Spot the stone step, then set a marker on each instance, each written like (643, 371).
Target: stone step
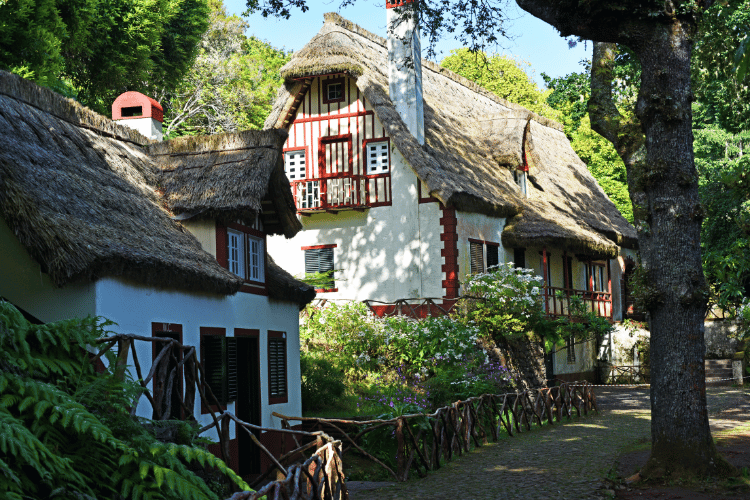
(719, 368)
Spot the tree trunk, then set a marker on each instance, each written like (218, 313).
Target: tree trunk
(669, 239)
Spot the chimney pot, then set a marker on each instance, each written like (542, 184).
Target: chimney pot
(139, 112)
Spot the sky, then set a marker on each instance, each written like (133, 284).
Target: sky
(533, 40)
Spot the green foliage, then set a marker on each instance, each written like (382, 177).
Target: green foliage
(97, 49)
(322, 383)
(581, 325)
(502, 76)
(722, 46)
(724, 182)
(230, 86)
(67, 431)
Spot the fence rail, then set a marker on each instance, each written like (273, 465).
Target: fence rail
(628, 373)
(320, 477)
(451, 430)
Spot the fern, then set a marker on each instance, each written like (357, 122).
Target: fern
(67, 431)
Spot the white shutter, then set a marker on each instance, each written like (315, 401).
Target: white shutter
(377, 158)
(295, 165)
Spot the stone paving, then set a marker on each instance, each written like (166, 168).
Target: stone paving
(564, 461)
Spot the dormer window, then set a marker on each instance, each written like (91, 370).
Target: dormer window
(519, 176)
(245, 245)
(295, 164)
(377, 160)
(333, 90)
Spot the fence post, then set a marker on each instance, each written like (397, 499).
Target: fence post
(123, 346)
(400, 449)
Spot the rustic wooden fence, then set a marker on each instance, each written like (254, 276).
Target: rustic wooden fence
(632, 374)
(319, 477)
(424, 441)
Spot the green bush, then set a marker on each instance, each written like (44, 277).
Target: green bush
(322, 383)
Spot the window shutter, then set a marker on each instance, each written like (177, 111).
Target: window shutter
(319, 260)
(214, 365)
(492, 256)
(377, 158)
(231, 364)
(477, 257)
(277, 367)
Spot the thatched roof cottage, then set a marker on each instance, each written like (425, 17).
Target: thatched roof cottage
(165, 239)
(408, 178)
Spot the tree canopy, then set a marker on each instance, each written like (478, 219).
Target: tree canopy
(94, 50)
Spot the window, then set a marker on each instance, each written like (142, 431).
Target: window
(568, 272)
(377, 158)
(320, 260)
(277, 390)
(308, 195)
(484, 255)
(295, 164)
(219, 360)
(246, 253)
(596, 277)
(519, 176)
(570, 347)
(333, 90)
(519, 257)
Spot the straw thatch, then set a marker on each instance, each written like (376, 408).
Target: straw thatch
(473, 141)
(283, 286)
(229, 177)
(79, 193)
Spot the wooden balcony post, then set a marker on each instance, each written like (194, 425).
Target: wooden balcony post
(609, 289)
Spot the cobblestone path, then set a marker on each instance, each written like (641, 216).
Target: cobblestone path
(554, 462)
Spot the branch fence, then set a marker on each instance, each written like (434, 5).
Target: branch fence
(319, 477)
(423, 441)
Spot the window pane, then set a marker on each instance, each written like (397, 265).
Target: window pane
(236, 252)
(294, 165)
(377, 158)
(335, 91)
(255, 258)
(492, 256)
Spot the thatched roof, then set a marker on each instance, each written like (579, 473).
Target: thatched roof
(228, 176)
(473, 141)
(79, 192)
(283, 286)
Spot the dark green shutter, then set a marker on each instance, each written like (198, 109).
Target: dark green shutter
(319, 260)
(231, 363)
(277, 367)
(214, 365)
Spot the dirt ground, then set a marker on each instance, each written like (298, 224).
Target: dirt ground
(730, 424)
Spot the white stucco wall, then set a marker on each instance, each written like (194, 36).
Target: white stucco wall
(478, 227)
(134, 307)
(24, 284)
(383, 253)
(585, 359)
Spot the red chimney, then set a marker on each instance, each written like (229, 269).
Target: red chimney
(139, 112)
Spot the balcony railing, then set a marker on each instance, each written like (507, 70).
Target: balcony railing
(558, 304)
(342, 192)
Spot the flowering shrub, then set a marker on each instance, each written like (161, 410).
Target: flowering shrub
(506, 301)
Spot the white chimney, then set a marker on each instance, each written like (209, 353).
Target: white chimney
(405, 65)
(139, 112)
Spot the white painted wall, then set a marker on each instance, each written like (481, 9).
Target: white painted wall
(24, 284)
(134, 307)
(405, 70)
(148, 127)
(585, 359)
(478, 227)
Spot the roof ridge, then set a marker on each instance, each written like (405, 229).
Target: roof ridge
(68, 110)
(338, 20)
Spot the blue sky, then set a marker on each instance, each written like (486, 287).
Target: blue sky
(534, 41)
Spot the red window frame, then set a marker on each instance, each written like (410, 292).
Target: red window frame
(333, 81)
(318, 247)
(222, 254)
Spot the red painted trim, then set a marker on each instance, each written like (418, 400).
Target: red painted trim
(306, 149)
(334, 81)
(424, 199)
(315, 247)
(205, 331)
(449, 236)
(279, 335)
(222, 245)
(149, 107)
(326, 290)
(246, 229)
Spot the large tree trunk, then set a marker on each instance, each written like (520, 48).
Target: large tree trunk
(663, 185)
(669, 240)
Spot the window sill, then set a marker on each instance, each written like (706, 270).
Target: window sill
(252, 287)
(279, 400)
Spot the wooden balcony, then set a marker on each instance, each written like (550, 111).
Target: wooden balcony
(341, 192)
(557, 301)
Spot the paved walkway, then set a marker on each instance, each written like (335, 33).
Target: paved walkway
(556, 462)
